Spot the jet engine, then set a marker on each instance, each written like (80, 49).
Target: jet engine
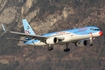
(81, 43)
(52, 40)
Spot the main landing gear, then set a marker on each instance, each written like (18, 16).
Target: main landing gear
(67, 49)
(50, 48)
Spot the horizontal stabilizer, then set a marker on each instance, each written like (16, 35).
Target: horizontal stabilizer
(3, 27)
(15, 39)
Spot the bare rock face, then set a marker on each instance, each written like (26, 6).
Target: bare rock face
(4, 61)
(27, 6)
(8, 15)
(2, 4)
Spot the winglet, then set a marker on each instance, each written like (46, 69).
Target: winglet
(3, 27)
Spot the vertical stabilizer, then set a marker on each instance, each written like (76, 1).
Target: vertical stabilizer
(27, 27)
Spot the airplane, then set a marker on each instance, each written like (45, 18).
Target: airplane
(78, 36)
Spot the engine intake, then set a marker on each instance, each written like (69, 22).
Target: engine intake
(52, 40)
(81, 43)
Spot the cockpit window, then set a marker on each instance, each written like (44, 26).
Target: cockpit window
(94, 29)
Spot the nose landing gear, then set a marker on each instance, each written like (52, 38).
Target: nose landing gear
(91, 41)
(67, 49)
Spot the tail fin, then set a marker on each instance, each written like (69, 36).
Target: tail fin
(3, 27)
(27, 28)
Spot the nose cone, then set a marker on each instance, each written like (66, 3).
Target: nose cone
(101, 33)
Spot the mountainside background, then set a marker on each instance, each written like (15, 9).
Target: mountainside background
(46, 16)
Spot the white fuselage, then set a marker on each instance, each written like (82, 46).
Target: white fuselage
(69, 38)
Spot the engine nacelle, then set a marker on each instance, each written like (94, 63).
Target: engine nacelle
(81, 43)
(52, 40)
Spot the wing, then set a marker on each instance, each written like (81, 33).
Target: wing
(41, 38)
(30, 36)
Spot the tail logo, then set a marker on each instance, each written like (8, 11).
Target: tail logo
(27, 32)
(28, 27)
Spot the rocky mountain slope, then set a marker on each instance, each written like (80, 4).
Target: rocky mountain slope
(46, 16)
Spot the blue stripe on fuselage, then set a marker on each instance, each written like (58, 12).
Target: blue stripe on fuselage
(78, 31)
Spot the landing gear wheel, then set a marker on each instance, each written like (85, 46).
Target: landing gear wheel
(50, 48)
(91, 44)
(67, 49)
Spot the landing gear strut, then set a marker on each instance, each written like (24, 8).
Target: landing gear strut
(66, 49)
(50, 48)
(91, 41)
